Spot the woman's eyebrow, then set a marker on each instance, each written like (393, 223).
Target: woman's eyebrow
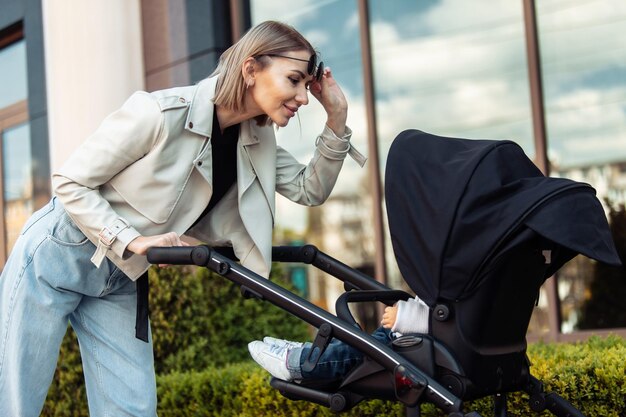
(299, 72)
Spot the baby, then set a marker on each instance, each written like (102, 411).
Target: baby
(284, 359)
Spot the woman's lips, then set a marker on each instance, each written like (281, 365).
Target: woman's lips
(292, 110)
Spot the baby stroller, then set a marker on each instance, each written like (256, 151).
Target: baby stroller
(476, 229)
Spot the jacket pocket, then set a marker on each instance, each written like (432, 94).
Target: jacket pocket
(154, 196)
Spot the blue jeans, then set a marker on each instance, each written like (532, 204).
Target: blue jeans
(48, 281)
(336, 361)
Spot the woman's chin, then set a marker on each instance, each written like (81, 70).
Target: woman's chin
(282, 122)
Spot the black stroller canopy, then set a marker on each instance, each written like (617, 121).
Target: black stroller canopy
(453, 203)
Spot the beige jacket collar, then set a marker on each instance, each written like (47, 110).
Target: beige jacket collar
(200, 116)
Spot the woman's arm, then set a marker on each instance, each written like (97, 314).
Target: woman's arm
(329, 94)
(311, 184)
(123, 137)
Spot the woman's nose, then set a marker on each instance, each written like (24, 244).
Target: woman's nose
(302, 97)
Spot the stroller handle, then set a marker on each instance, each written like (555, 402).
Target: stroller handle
(387, 297)
(179, 255)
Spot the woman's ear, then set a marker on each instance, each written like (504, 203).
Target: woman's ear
(248, 71)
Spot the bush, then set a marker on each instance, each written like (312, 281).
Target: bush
(591, 375)
(198, 319)
(201, 326)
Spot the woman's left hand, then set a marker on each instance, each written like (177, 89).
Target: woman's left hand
(329, 94)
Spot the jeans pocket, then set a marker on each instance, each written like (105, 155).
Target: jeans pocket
(118, 282)
(66, 233)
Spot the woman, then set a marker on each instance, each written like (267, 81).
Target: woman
(199, 160)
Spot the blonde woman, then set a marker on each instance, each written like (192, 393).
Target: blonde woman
(201, 161)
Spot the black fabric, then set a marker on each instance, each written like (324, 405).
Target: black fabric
(224, 160)
(141, 320)
(452, 202)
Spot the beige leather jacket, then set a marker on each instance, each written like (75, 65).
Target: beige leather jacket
(147, 171)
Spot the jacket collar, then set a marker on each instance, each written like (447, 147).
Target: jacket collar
(200, 116)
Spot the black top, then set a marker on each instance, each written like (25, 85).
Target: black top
(224, 160)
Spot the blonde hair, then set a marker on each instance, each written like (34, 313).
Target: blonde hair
(269, 37)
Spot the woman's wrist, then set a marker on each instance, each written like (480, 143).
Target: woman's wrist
(337, 125)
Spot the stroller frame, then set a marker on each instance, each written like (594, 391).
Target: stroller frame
(407, 377)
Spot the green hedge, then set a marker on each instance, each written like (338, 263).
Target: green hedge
(201, 326)
(198, 320)
(592, 375)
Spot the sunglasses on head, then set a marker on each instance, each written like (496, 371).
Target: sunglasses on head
(312, 68)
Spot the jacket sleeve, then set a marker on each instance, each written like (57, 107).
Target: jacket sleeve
(311, 184)
(123, 137)
(412, 317)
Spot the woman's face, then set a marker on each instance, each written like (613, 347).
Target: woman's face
(280, 88)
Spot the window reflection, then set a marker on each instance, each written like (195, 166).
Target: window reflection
(458, 68)
(450, 69)
(342, 226)
(18, 185)
(584, 70)
(13, 87)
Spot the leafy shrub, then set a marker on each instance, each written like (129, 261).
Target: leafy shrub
(198, 319)
(201, 326)
(591, 375)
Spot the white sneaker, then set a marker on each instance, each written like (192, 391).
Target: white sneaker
(281, 342)
(272, 357)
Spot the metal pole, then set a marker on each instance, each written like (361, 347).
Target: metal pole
(536, 87)
(539, 129)
(380, 266)
(239, 18)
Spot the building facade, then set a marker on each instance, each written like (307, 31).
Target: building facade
(550, 75)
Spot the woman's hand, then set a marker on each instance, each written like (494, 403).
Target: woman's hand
(329, 94)
(389, 316)
(141, 244)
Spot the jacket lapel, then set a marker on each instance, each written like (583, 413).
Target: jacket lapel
(257, 160)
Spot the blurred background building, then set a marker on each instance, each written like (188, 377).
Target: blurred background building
(550, 75)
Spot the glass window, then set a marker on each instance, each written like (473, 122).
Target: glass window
(342, 226)
(13, 85)
(16, 162)
(583, 53)
(18, 185)
(451, 68)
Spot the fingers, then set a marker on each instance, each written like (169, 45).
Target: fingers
(171, 239)
(141, 244)
(316, 87)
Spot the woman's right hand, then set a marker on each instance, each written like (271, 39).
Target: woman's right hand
(329, 94)
(141, 244)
